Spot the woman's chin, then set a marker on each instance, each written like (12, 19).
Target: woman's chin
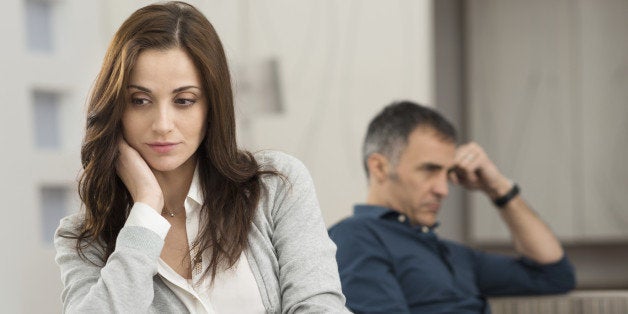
(170, 164)
(164, 166)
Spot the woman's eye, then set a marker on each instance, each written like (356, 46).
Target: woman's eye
(139, 101)
(184, 101)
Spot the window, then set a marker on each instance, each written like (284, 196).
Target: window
(54, 204)
(39, 28)
(46, 114)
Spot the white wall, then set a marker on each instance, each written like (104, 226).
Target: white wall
(339, 61)
(12, 184)
(30, 277)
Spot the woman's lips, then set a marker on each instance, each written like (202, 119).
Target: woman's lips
(162, 148)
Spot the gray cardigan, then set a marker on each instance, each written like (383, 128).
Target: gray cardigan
(290, 255)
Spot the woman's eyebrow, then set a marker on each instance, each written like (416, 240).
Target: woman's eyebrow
(144, 89)
(182, 88)
(176, 90)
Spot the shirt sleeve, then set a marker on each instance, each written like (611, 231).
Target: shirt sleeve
(142, 215)
(366, 271)
(308, 274)
(121, 284)
(500, 275)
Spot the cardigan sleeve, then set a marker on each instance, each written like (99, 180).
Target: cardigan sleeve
(123, 284)
(308, 273)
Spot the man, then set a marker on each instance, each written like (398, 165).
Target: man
(389, 257)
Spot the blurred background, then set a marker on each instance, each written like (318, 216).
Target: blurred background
(542, 85)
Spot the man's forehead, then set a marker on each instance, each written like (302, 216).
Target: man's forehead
(427, 150)
(429, 145)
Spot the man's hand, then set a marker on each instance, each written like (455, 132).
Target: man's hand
(531, 237)
(138, 177)
(474, 170)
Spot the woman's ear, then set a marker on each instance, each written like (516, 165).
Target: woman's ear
(379, 167)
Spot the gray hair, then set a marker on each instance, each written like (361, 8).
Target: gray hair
(388, 132)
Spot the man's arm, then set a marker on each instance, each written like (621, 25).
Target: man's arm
(531, 236)
(499, 275)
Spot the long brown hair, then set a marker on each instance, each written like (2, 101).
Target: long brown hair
(230, 179)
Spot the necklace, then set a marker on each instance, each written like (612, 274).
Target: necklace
(168, 212)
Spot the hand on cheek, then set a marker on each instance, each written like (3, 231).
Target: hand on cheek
(138, 177)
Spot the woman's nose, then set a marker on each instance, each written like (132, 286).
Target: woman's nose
(164, 120)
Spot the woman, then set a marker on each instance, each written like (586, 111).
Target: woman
(176, 218)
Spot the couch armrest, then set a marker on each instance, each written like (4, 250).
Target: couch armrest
(579, 301)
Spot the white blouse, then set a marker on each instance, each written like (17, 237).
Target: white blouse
(233, 291)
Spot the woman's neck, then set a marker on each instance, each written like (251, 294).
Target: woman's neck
(175, 184)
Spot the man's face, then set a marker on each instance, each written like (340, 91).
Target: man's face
(418, 182)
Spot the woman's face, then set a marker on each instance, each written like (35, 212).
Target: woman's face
(166, 109)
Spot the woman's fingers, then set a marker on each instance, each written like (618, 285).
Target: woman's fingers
(138, 177)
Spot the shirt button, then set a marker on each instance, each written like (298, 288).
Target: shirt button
(425, 229)
(401, 218)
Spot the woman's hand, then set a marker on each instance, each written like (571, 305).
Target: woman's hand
(138, 177)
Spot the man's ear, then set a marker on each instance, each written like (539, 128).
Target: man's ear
(379, 167)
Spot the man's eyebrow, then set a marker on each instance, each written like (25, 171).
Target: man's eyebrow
(430, 165)
(433, 166)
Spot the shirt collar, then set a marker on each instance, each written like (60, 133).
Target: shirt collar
(380, 212)
(195, 193)
(371, 211)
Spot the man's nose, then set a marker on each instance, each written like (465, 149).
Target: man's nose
(441, 187)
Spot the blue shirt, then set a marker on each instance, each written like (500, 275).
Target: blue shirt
(389, 266)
